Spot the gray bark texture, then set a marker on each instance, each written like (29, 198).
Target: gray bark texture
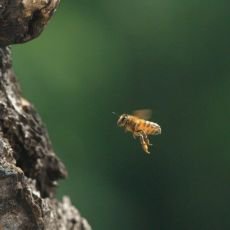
(29, 168)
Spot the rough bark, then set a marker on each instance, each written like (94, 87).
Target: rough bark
(29, 168)
(23, 20)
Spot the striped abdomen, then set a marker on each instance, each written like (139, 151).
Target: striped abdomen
(150, 128)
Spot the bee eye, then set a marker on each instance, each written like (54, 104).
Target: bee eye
(122, 119)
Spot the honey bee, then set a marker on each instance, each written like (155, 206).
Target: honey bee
(139, 126)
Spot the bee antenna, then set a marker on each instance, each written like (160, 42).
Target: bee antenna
(115, 114)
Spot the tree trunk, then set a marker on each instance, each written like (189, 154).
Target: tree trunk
(29, 168)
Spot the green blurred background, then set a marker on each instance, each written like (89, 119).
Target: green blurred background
(172, 56)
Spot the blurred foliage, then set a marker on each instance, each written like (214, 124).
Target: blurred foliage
(100, 56)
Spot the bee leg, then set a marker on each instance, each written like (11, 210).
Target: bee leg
(134, 135)
(143, 142)
(146, 139)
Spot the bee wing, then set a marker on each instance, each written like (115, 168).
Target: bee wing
(143, 113)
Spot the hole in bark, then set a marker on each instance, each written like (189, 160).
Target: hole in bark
(34, 25)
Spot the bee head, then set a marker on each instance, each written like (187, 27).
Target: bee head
(122, 120)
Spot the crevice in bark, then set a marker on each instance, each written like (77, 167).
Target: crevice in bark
(34, 22)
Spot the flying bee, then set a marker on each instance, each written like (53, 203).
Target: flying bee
(139, 126)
